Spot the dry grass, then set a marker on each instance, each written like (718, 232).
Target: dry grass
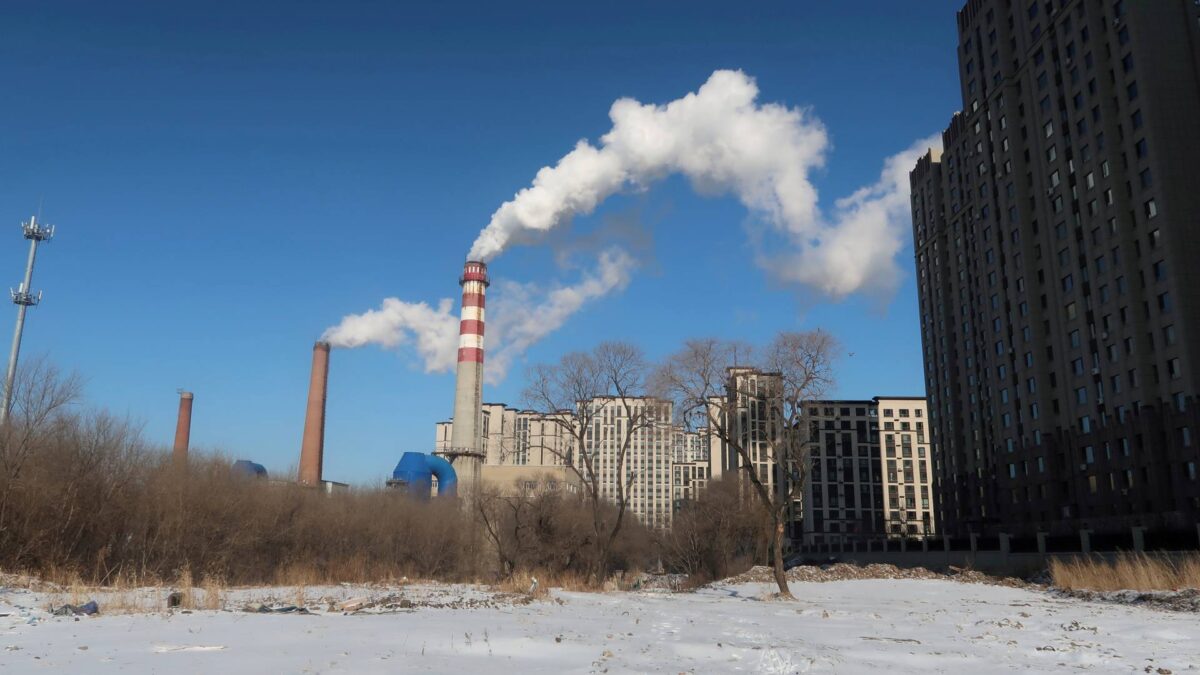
(1138, 572)
(568, 580)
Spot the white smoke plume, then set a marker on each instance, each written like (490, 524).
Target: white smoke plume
(724, 141)
(434, 330)
(857, 250)
(518, 316)
(525, 313)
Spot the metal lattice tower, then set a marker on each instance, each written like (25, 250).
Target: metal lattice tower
(24, 298)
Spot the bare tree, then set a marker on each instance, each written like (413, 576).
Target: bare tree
(42, 395)
(576, 392)
(772, 458)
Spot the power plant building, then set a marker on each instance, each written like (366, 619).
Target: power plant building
(1056, 251)
(523, 445)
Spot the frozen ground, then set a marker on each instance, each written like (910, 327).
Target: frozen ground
(846, 626)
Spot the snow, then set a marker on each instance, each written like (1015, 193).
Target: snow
(848, 626)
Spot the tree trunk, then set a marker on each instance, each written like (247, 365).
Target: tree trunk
(777, 561)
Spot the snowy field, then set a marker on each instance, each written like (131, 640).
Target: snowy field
(846, 626)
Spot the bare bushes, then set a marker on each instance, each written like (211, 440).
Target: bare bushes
(96, 502)
(536, 530)
(716, 536)
(1137, 572)
(82, 495)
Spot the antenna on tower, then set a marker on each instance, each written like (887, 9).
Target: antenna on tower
(24, 298)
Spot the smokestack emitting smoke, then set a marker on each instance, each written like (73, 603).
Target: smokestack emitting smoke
(312, 447)
(522, 315)
(468, 386)
(725, 142)
(183, 428)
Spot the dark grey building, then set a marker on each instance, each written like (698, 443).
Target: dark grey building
(1057, 242)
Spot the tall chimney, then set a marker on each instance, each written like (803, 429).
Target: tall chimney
(183, 428)
(312, 448)
(465, 447)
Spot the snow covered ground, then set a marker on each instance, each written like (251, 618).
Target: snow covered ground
(846, 626)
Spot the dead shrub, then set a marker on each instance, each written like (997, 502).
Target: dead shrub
(84, 499)
(549, 533)
(716, 536)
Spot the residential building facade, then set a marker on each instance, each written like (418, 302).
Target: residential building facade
(1055, 244)
(871, 470)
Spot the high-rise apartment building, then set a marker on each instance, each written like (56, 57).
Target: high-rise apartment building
(690, 468)
(871, 470)
(751, 413)
(1056, 246)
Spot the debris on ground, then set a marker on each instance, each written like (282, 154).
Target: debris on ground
(277, 609)
(1186, 600)
(848, 572)
(86, 609)
(658, 583)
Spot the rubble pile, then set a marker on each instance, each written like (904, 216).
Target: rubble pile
(850, 572)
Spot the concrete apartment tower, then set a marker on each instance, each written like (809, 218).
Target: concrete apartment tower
(183, 428)
(1056, 247)
(312, 446)
(466, 447)
(871, 470)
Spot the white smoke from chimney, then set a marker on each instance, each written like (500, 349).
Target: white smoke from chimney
(519, 315)
(724, 141)
(523, 314)
(434, 330)
(857, 250)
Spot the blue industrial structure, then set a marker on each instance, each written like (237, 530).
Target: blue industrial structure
(414, 475)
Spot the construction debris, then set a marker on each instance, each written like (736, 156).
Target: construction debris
(86, 609)
(847, 572)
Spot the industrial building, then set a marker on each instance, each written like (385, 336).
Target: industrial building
(1056, 248)
(528, 446)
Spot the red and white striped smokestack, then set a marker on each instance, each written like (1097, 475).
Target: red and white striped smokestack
(183, 427)
(312, 447)
(468, 388)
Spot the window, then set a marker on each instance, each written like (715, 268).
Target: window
(1174, 370)
(1151, 208)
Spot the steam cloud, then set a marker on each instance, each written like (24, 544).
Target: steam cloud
(724, 141)
(518, 316)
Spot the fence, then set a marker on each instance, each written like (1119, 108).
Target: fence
(997, 554)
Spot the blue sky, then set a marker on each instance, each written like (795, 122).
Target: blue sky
(229, 180)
